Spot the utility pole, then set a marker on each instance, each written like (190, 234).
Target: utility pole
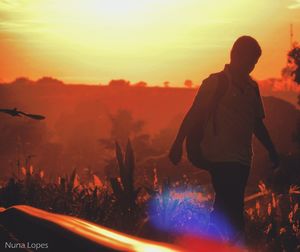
(291, 36)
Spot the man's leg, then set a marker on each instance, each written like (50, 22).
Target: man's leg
(229, 180)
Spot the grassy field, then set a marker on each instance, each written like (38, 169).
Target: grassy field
(156, 211)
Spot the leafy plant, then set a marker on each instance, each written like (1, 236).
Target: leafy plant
(123, 187)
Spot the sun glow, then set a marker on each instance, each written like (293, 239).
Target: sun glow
(151, 40)
(113, 11)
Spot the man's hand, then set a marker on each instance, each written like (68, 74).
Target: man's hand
(274, 157)
(263, 136)
(175, 153)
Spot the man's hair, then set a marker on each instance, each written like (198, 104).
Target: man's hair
(245, 45)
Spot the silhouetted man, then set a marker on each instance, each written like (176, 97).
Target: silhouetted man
(239, 115)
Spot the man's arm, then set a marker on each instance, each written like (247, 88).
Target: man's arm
(186, 124)
(175, 153)
(201, 101)
(262, 134)
(202, 98)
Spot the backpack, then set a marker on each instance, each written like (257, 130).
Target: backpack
(195, 134)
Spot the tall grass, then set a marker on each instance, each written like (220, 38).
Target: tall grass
(272, 220)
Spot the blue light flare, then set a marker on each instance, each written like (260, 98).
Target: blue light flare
(186, 211)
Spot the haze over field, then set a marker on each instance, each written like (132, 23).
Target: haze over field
(155, 41)
(83, 122)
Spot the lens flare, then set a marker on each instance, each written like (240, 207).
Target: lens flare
(186, 212)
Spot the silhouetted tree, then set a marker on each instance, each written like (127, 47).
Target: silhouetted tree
(119, 83)
(140, 84)
(188, 83)
(49, 81)
(22, 81)
(166, 84)
(123, 126)
(294, 57)
(286, 72)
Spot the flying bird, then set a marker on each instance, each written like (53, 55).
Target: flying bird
(15, 112)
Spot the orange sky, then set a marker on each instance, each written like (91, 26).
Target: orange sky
(94, 41)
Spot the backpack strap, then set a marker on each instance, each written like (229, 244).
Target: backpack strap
(195, 135)
(222, 87)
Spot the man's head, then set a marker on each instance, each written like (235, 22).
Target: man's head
(245, 54)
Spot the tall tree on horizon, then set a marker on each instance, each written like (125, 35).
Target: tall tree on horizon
(294, 57)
